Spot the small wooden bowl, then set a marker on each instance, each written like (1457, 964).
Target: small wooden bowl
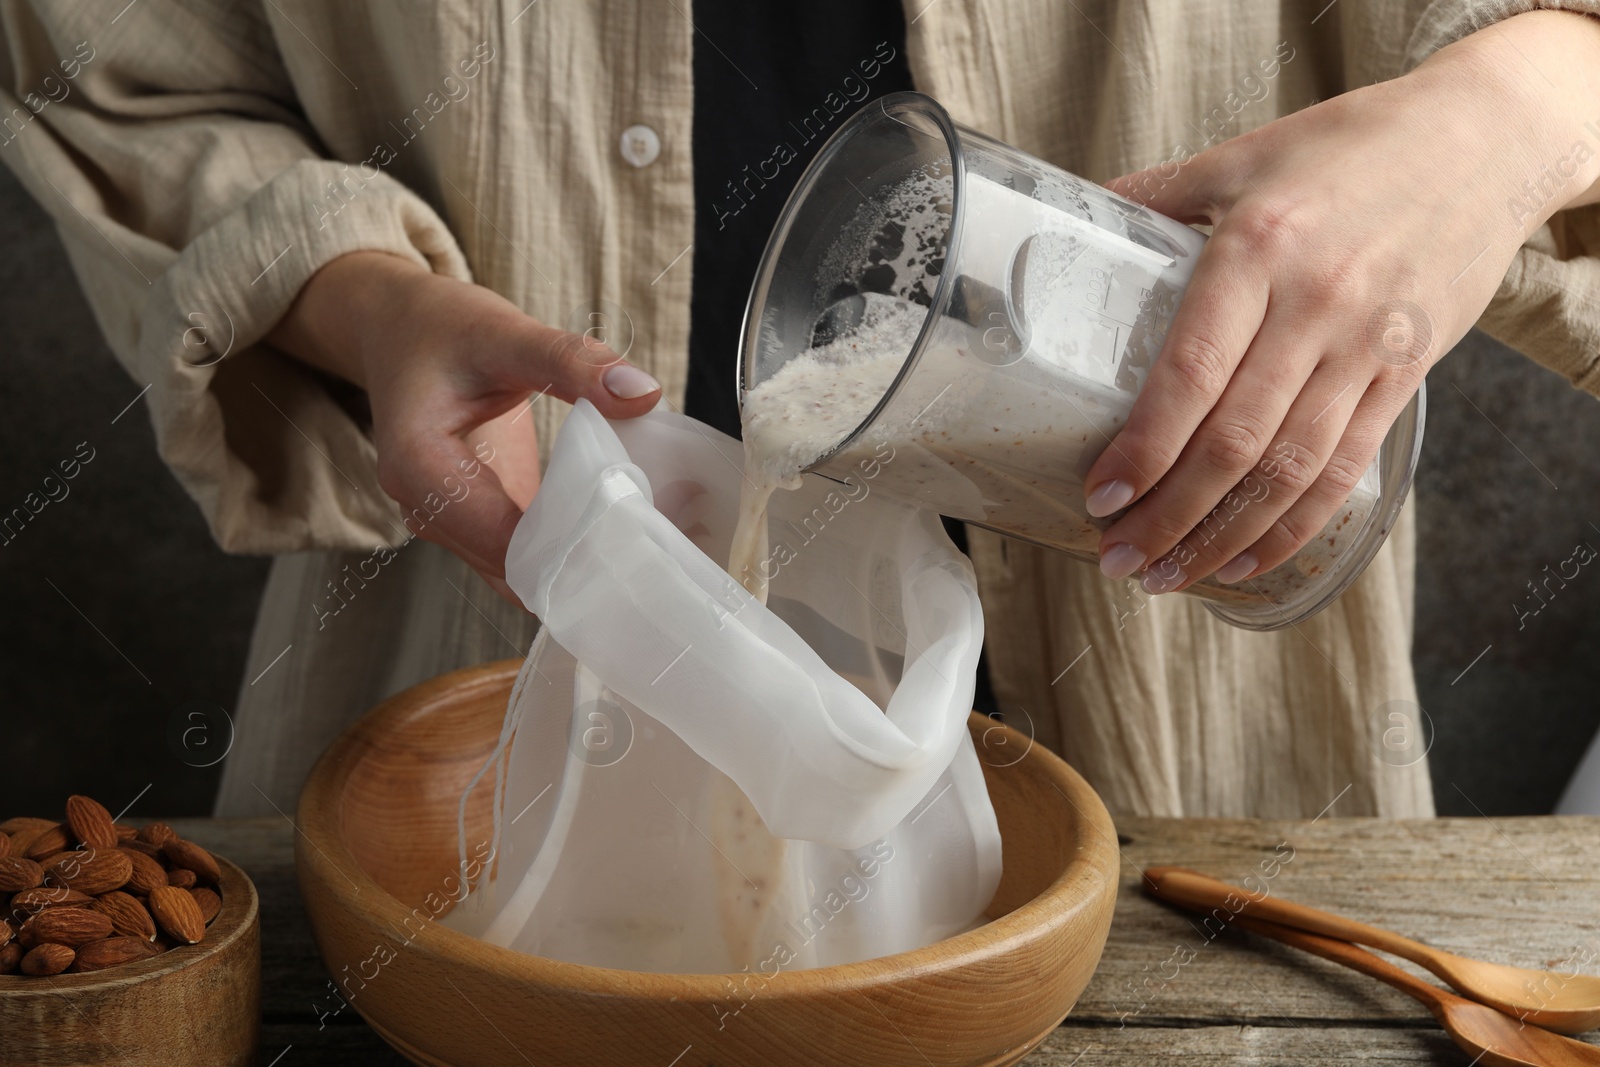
(377, 858)
(193, 1004)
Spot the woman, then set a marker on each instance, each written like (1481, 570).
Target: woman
(452, 220)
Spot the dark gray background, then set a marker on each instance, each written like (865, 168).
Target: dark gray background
(127, 547)
(89, 699)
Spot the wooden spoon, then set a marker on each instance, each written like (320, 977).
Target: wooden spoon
(1489, 1036)
(1567, 1004)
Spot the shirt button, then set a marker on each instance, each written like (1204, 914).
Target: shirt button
(640, 145)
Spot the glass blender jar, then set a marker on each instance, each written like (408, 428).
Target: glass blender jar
(1015, 311)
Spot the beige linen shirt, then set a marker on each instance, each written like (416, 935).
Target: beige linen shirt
(203, 158)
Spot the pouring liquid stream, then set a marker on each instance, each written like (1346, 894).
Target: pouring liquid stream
(812, 403)
(800, 413)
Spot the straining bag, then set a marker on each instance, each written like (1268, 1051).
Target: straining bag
(688, 780)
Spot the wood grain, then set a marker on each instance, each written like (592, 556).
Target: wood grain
(1241, 1001)
(376, 838)
(1520, 891)
(1489, 1036)
(1565, 1001)
(1227, 1046)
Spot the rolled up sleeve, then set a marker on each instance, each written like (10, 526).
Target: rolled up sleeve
(1548, 304)
(194, 201)
(1444, 22)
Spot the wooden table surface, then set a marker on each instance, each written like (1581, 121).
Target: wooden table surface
(1523, 891)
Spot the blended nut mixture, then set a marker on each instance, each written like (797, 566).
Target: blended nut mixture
(804, 410)
(1003, 447)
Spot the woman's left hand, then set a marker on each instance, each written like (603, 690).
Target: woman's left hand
(1354, 243)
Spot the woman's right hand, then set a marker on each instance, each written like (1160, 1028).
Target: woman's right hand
(449, 367)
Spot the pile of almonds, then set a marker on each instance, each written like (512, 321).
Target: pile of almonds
(90, 893)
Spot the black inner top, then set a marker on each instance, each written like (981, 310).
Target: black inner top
(771, 84)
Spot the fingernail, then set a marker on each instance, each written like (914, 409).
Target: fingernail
(627, 382)
(1236, 568)
(1108, 497)
(1164, 577)
(1120, 560)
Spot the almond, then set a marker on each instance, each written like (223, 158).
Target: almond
(128, 917)
(5, 845)
(125, 832)
(191, 857)
(10, 956)
(92, 871)
(48, 843)
(178, 914)
(23, 822)
(65, 926)
(91, 822)
(112, 952)
(23, 838)
(147, 873)
(47, 959)
(31, 901)
(7, 933)
(210, 903)
(144, 848)
(17, 874)
(157, 834)
(47, 896)
(181, 878)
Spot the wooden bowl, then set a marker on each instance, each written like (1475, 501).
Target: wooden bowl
(377, 860)
(190, 1005)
